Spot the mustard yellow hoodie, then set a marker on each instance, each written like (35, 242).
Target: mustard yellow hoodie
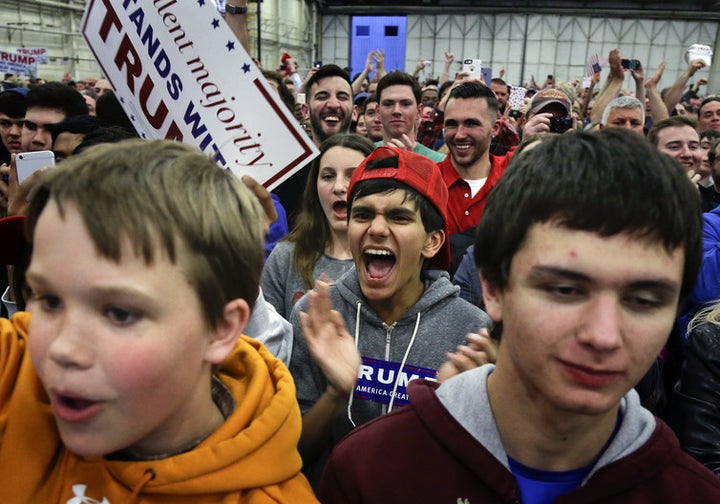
(251, 458)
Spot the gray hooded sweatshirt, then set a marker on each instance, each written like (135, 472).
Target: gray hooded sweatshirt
(415, 345)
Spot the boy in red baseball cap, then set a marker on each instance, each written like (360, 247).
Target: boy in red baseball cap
(404, 313)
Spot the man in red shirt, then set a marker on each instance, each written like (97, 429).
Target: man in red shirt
(470, 171)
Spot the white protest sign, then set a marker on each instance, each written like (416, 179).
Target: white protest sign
(181, 74)
(15, 63)
(699, 51)
(39, 53)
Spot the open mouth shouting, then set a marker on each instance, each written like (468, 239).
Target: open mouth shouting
(340, 210)
(378, 264)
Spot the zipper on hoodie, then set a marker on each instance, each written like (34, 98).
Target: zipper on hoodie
(388, 339)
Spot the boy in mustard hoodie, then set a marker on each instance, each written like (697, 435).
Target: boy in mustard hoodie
(129, 379)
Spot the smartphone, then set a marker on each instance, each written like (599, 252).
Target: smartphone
(630, 64)
(317, 63)
(28, 163)
(300, 98)
(515, 113)
(474, 66)
(517, 97)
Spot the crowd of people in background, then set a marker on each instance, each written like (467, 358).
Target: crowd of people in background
(515, 286)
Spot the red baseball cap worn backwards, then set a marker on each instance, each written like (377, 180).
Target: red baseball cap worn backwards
(416, 171)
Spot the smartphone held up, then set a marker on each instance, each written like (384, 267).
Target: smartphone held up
(28, 163)
(630, 64)
(474, 66)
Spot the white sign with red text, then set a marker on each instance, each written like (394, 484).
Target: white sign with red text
(181, 74)
(15, 63)
(39, 53)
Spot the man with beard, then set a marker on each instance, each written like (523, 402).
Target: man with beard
(470, 171)
(329, 103)
(331, 111)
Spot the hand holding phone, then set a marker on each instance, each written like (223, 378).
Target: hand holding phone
(630, 64)
(28, 163)
(474, 66)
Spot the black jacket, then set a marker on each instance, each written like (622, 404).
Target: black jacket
(695, 412)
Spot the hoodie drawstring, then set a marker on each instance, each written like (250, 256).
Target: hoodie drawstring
(147, 477)
(402, 364)
(357, 335)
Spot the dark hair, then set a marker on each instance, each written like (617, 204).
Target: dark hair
(372, 98)
(670, 122)
(607, 183)
(713, 146)
(327, 71)
(311, 233)
(56, 95)
(104, 135)
(707, 100)
(111, 113)
(709, 133)
(431, 218)
(12, 104)
(444, 87)
(398, 78)
(468, 90)
(287, 96)
(498, 80)
(82, 124)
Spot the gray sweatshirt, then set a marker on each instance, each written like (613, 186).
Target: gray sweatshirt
(465, 397)
(281, 283)
(416, 344)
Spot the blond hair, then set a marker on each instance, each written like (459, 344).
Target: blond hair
(164, 197)
(709, 314)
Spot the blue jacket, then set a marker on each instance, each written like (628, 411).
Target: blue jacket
(707, 288)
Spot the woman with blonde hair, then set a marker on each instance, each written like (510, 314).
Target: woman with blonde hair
(317, 246)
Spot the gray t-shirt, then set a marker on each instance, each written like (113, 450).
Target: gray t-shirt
(281, 283)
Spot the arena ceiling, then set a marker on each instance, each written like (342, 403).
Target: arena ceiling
(697, 9)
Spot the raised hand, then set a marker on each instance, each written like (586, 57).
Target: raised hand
(330, 344)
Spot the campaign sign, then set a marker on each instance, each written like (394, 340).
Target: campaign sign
(377, 378)
(39, 53)
(21, 64)
(180, 73)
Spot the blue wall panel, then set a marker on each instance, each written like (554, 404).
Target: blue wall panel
(378, 32)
